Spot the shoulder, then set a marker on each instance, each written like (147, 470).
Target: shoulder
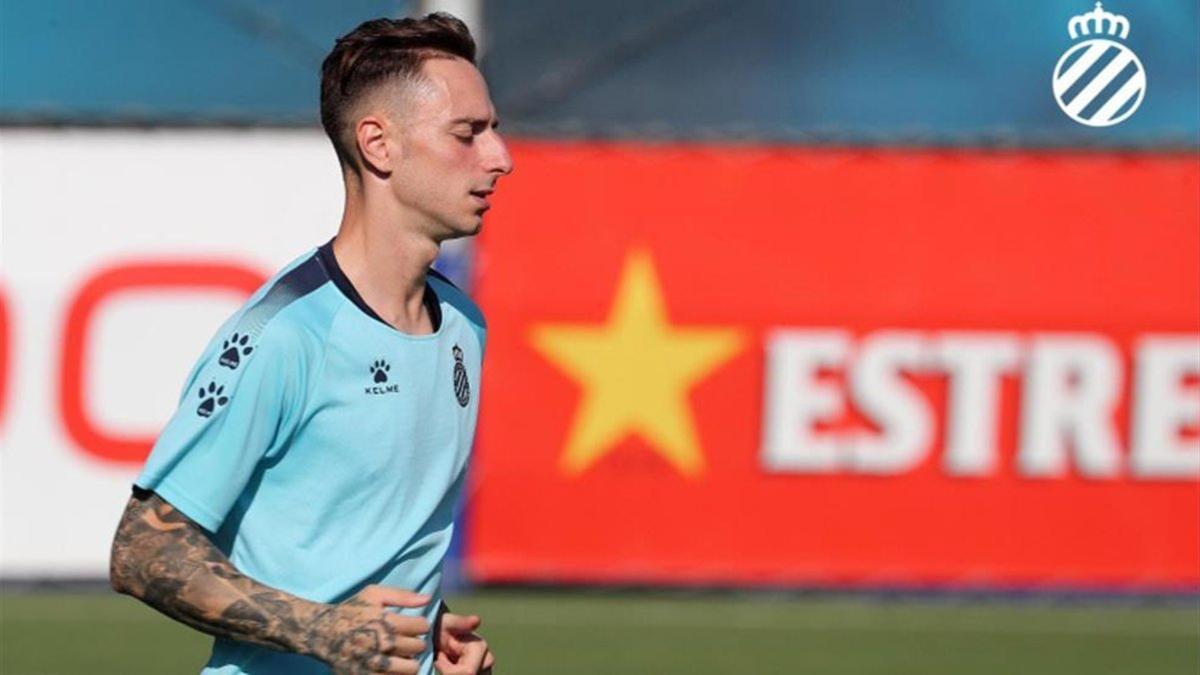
(290, 313)
(456, 298)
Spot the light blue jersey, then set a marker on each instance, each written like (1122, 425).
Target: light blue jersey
(323, 449)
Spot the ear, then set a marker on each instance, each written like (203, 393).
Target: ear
(370, 134)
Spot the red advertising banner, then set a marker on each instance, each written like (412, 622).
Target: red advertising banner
(838, 367)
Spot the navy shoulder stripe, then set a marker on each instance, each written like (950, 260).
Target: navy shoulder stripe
(438, 275)
(454, 296)
(296, 283)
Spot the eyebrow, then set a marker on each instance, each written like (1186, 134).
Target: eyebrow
(476, 120)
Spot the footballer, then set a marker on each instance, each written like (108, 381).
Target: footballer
(300, 502)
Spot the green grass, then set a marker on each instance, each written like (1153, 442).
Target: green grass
(561, 632)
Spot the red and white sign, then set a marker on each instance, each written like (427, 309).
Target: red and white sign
(117, 272)
(786, 366)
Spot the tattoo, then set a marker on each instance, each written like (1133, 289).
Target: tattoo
(361, 646)
(164, 559)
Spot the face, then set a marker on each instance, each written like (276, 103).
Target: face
(449, 154)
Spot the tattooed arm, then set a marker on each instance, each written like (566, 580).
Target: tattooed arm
(166, 560)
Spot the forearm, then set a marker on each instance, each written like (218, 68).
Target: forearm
(164, 559)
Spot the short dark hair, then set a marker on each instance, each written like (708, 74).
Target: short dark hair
(379, 50)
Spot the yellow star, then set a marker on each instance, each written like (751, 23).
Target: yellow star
(636, 370)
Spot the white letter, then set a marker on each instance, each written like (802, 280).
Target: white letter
(974, 364)
(881, 392)
(1071, 387)
(795, 399)
(1161, 407)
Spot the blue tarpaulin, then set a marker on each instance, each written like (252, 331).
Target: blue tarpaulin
(919, 72)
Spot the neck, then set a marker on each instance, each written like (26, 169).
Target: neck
(383, 251)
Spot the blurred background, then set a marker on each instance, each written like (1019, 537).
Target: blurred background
(823, 337)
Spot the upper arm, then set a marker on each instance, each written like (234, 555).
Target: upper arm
(153, 537)
(234, 414)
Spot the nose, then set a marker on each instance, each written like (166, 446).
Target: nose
(498, 159)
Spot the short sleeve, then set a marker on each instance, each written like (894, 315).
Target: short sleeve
(240, 405)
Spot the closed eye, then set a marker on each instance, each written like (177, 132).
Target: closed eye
(473, 127)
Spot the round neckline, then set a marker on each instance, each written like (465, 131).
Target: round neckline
(333, 270)
(387, 329)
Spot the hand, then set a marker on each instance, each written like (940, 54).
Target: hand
(460, 650)
(359, 636)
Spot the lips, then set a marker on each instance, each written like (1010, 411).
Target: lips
(482, 197)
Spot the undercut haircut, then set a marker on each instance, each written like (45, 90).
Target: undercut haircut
(377, 52)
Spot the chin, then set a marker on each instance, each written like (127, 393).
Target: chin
(474, 225)
(465, 229)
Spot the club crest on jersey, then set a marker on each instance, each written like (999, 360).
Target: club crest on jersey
(379, 375)
(462, 386)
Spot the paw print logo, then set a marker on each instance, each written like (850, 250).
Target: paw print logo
(234, 349)
(210, 399)
(379, 370)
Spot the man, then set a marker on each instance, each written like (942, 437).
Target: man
(300, 502)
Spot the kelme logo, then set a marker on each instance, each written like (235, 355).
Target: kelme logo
(234, 349)
(379, 375)
(210, 399)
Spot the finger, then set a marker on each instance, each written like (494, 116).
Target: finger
(393, 665)
(489, 661)
(407, 625)
(459, 623)
(473, 655)
(405, 646)
(461, 641)
(393, 597)
(450, 644)
(445, 666)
